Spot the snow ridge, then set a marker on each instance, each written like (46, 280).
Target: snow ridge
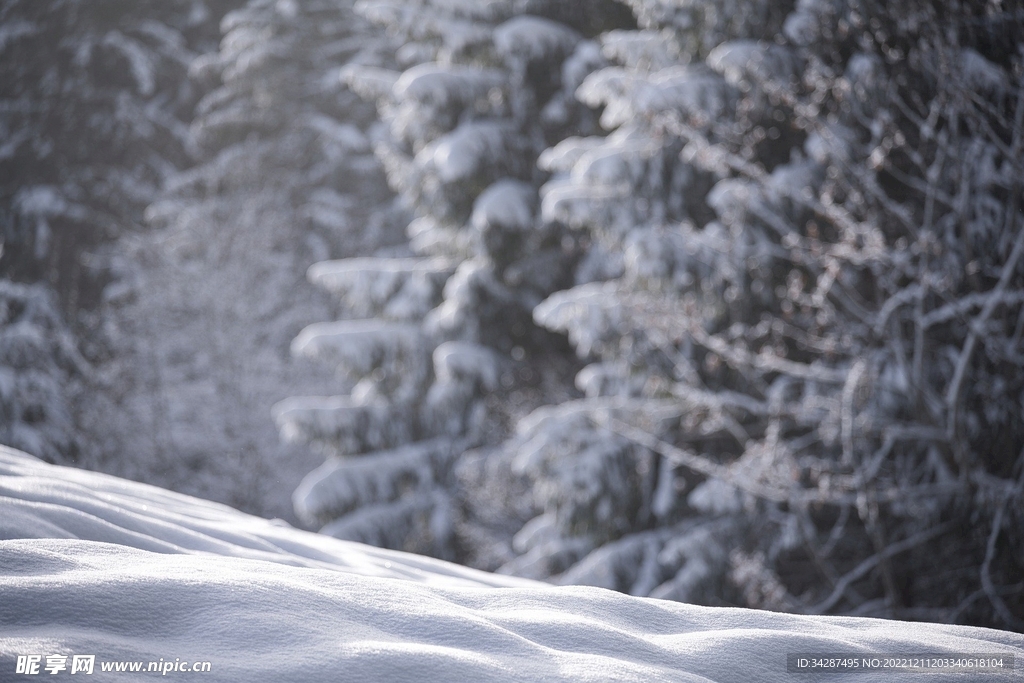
(98, 565)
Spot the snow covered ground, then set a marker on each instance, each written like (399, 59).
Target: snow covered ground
(95, 565)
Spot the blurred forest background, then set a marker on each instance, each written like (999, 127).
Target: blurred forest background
(718, 302)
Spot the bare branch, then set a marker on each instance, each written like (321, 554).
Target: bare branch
(862, 569)
(990, 552)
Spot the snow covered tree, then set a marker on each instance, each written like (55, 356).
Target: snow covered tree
(94, 95)
(801, 306)
(477, 92)
(205, 304)
(92, 101)
(38, 360)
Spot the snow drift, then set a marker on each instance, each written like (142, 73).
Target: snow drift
(97, 565)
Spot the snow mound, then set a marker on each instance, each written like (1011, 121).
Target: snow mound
(129, 572)
(38, 501)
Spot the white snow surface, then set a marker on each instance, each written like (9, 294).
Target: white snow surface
(93, 564)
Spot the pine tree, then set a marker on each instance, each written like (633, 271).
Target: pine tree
(476, 94)
(38, 362)
(92, 101)
(94, 97)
